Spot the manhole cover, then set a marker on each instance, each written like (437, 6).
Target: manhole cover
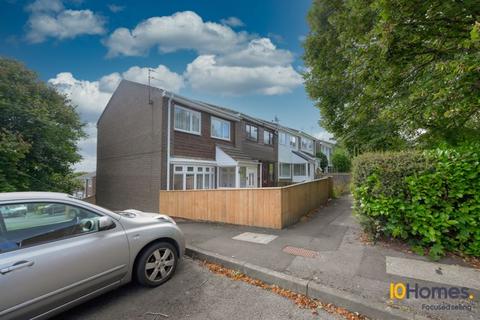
(255, 237)
(300, 252)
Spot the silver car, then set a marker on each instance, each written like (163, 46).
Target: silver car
(51, 262)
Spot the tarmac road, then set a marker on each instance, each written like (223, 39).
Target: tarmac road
(193, 293)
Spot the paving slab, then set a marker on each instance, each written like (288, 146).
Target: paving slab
(254, 237)
(435, 272)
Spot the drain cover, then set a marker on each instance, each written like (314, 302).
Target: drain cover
(300, 252)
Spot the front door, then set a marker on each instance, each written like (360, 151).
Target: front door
(53, 253)
(267, 174)
(251, 177)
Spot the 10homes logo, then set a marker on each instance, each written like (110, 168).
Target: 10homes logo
(402, 291)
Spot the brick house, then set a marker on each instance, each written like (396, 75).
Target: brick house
(150, 139)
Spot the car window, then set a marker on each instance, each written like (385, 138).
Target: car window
(35, 223)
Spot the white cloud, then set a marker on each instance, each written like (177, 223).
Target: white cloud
(86, 95)
(182, 30)
(232, 22)
(91, 97)
(259, 52)
(162, 77)
(115, 8)
(229, 62)
(49, 18)
(88, 149)
(45, 6)
(109, 82)
(324, 135)
(205, 75)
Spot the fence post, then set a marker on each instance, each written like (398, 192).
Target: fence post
(330, 187)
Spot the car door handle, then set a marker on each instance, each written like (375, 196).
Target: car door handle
(16, 266)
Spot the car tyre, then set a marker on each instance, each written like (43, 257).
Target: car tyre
(156, 264)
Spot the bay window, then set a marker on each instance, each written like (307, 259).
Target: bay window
(189, 177)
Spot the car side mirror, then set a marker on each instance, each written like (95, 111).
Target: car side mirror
(105, 223)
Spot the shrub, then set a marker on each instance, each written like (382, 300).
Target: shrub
(323, 160)
(341, 161)
(430, 199)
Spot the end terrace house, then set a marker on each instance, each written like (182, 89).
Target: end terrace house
(149, 139)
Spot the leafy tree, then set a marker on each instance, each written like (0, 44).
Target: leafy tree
(341, 161)
(38, 135)
(389, 74)
(323, 160)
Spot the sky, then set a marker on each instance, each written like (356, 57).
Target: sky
(244, 55)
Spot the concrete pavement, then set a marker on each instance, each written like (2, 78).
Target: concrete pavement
(193, 293)
(340, 262)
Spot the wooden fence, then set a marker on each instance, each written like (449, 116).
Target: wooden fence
(260, 207)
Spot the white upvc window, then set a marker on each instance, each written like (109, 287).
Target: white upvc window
(187, 120)
(283, 138)
(267, 137)
(226, 177)
(307, 145)
(190, 177)
(293, 141)
(220, 129)
(285, 170)
(252, 132)
(299, 169)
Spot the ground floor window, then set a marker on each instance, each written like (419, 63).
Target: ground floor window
(188, 177)
(299, 169)
(243, 177)
(285, 170)
(226, 177)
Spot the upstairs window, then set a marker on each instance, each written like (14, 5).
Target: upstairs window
(307, 145)
(220, 129)
(252, 132)
(187, 120)
(267, 137)
(283, 138)
(293, 142)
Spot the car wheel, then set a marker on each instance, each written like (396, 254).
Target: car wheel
(157, 264)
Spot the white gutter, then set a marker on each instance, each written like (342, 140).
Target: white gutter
(168, 139)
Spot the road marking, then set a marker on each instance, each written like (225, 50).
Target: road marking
(453, 275)
(255, 237)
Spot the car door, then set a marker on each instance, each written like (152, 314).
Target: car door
(48, 260)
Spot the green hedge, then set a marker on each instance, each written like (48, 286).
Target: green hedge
(429, 199)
